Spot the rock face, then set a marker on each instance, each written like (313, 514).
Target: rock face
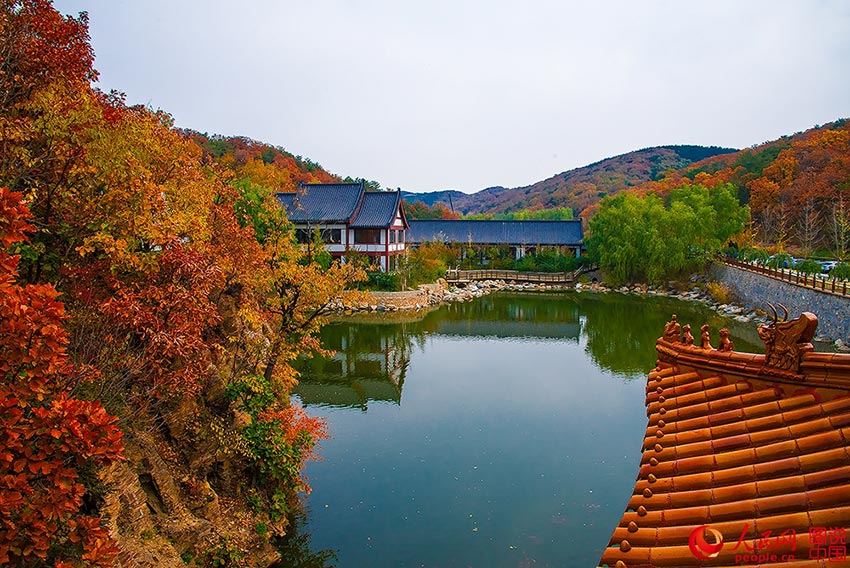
(162, 514)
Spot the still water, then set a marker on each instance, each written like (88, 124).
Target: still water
(504, 432)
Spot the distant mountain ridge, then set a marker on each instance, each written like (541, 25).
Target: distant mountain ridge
(430, 198)
(578, 188)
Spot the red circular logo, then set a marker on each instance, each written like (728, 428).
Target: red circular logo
(700, 547)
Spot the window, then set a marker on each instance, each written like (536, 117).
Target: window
(332, 236)
(328, 236)
(375, 261)
(401, 236)
(302, 236)
(392, 237)
(367, 236)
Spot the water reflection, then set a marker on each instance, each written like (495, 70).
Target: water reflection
(539, 316)
(370, 364)
(517, 442)
(621, 330)
(296, 547)
(373, 352)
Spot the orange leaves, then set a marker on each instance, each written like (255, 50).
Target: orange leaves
(299, 428)
(13, 220)
(268, 175)
(419, 210)
(763, 193)
(45, 434)
(138, 226)
(55, 44)
(260, 164)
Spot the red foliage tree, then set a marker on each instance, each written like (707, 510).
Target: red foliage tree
(47, 46)
(47, 437)
(166, 312)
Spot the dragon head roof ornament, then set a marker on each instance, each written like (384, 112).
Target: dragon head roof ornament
(786, 341)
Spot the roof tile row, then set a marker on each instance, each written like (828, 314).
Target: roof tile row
(729, 448)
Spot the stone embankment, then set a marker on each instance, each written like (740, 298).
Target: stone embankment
(833, 310)
(695, 294)
(429, 295)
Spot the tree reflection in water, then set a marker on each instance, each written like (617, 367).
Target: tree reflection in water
(373, 350)
(516, 407)
(621, 330)
(295, 547)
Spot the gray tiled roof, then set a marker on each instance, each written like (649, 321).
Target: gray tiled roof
(378, 209)
(498, 232)
(322, 202)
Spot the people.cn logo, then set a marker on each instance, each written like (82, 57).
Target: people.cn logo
(700, 547)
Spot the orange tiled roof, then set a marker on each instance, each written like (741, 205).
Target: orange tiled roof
(740, 444)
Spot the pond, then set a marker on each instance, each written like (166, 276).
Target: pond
(503, 432)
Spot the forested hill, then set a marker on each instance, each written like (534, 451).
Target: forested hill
(578, 188)
(797, 187)
(263, 164)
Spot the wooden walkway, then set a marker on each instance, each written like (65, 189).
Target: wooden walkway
(466, 276)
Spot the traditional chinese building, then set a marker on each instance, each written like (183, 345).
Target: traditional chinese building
(746, 457)
(349, 218)
(523, 237)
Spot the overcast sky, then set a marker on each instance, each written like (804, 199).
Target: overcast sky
(429, 95)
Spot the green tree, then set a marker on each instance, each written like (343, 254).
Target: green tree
(640, 238)
(808, 266)
(841, 271)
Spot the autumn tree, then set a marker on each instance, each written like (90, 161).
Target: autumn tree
(299, 284)
(49, 440)
(173, 277)
(45, 62)
(839, 225)
(809, 226)
(419, 210)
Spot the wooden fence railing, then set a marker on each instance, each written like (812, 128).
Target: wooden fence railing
(812, 281)
(454, 275)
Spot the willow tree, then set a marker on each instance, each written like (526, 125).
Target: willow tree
(642, 238)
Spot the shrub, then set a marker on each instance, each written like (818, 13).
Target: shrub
(278, 441)
(381, 281)
(547, 260)
(841, 271)
(808, 267)
(226, 555)
(719, 292)
(50, 441)
(426, 263)
(754, 254)
(781, 260)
